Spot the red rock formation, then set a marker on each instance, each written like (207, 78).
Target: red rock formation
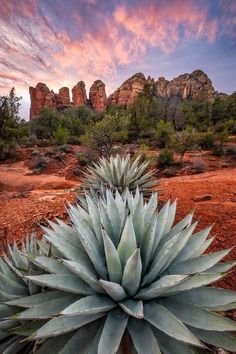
(186, 86)
(97, 96)
(63, 98)
(41, 97)
(128, 91)
(79, 96)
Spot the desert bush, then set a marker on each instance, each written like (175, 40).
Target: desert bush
(164, 133)
(165, 158)
(199, 167)
(184, 141)
(230, 150)
(40, 163)
(86, 157)
(207, 139)
(60, 136)
(218, 150)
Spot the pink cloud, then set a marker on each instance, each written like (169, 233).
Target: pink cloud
(40, 42)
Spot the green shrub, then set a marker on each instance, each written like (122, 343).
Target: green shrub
(60, 136)
(218, 150)
(86, 157)
(165, 158)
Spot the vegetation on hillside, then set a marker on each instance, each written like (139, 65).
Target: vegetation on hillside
(165, 123)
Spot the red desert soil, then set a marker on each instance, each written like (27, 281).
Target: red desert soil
(50, 193)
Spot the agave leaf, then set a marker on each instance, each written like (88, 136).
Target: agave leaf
(160, 286)
(87, 275)
(12, 346)
(198, 264)
(147, 243)
(65, 282)
(115, 290)
(159, 261)
(81, 339)
(132, 307)
(95, 218)
(178, 246)
(221, 267)
(89, 305)
(208, 297)
(9, 286)
(114, 216)
(7, 297)
(112, 260)
(90, 244)
(56, 344)
(5, 311)
(60, 325)
(170, 345)
(218, 339)
(180, 226)
(127, 244)
(46, 309)
(204, 247)
(171, 218)
(28, 328)
(112, 333)
(198, 317)
(106, 222)
(193, 245)
(8, 324)
(68, 250)
(93, 349)
(132, 273)
(36, 299)
(160, 225)
(50, 265)
(11, 273)
(144, 341)
(166, 322)
(196, 281)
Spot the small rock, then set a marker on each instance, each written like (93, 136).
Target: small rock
(202, 198)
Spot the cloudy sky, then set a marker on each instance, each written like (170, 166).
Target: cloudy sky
(60, 42)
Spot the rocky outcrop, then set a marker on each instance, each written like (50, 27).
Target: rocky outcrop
(79, 96)
(128, 91)
(97, 96)
(186, 86)
(182, 87)
(63, 98)
(40, 96)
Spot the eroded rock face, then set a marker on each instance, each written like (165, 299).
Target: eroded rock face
(182, 87)
(63, 98)
(98, 97)
(128, 91)
(79, 96)
(186, 86)
(41, 96)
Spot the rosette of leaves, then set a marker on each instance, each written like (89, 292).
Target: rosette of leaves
(127, 272)
(14, 266)
(121, 174)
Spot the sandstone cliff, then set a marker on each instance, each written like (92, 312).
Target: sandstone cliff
(79, 96)
(98, 97)
(182, 87)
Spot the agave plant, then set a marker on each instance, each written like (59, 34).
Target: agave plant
(119, 173)
(13, 285)
(126, 272)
